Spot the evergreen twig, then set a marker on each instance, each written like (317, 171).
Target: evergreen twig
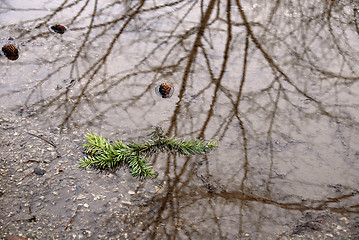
(103, 155)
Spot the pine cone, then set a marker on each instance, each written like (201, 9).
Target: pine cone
(165, 89)
(58, 28)
(10, 51)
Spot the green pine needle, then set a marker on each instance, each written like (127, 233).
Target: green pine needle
(103, 155)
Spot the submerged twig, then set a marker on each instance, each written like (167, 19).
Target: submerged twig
(73, 215)
(68, 223)
(45, 140)
(25, 176)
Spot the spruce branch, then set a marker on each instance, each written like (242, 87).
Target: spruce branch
(103, 155)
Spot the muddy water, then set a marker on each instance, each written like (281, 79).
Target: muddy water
(276, 84)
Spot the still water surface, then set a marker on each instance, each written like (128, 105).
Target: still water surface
(274, 82)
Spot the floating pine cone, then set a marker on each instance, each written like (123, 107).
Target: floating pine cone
(10, 51)
(58, 28)
(165, 90)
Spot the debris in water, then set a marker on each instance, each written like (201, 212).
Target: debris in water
(10, 51)
(58, 28)
(165, 90)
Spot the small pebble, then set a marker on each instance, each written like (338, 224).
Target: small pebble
(81, 197)
(329, 235)
(126, 202)
(344, 219)
(39, 171)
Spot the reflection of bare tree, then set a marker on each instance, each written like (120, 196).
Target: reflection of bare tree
(252, 74)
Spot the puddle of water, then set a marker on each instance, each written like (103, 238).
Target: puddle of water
(275, 84)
